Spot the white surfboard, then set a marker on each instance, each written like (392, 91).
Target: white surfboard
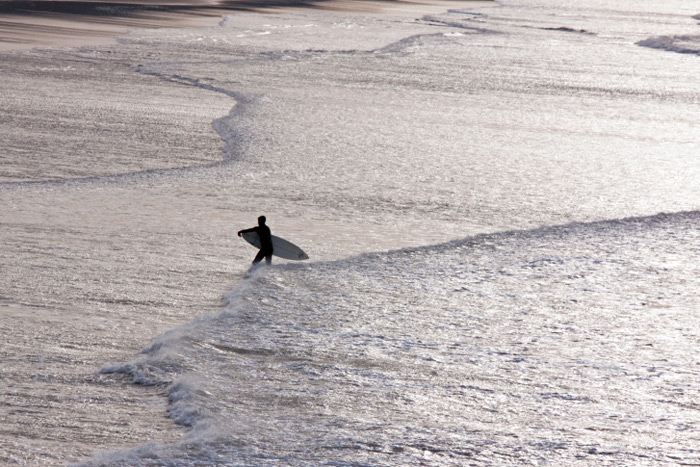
(280, 247)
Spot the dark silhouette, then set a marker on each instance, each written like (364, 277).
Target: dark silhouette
(265, 236)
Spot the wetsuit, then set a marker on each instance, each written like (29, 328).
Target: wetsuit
(265, 243)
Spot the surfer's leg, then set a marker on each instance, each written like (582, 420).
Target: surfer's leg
(259, 257)
(264, 253)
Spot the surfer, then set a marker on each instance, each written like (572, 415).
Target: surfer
(265, 237)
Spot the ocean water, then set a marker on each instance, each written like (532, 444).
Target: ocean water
(500, 204)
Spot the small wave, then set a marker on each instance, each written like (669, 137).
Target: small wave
(678, 44)
(138, 372)
(279, 376)
(567, 29)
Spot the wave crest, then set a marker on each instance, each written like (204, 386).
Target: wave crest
(679, 44)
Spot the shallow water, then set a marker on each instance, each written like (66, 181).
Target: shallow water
(543, 140)
(528, 347)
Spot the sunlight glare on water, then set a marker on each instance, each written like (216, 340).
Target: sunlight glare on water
(519, 347)
(500, 204)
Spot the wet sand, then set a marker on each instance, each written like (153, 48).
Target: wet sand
(24, 25)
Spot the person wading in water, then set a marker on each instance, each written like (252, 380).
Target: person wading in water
(265, 237)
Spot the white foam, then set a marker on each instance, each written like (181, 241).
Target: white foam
(448, 348)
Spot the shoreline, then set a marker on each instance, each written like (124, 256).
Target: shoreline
(28, 25)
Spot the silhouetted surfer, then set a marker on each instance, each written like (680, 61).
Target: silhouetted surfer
(265, 236)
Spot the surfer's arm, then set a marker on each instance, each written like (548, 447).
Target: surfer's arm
(253, 229)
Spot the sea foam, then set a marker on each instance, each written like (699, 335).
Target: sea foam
(448, 350)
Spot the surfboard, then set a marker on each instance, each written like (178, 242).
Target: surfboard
(280, 247)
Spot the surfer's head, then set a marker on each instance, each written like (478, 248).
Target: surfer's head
(262, 220)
